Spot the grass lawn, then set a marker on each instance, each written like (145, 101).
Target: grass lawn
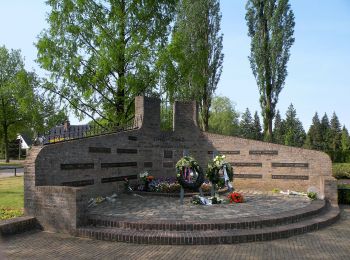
(11, 197)
(11, 164)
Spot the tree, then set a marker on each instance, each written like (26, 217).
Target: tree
(271, 27)
(257, 135)
(314, 135)
(223, 117)
(101, 54)
(192, 63)
(279, 129)
(295, 134)
(345, 140)
(246, 125)
(335, 133)
(325, 133)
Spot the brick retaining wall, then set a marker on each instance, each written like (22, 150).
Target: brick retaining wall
(60, 178)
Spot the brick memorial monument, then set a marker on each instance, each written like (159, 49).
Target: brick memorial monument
(60, 178)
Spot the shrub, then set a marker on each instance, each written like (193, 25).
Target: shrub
(341, 170)
(312, 195)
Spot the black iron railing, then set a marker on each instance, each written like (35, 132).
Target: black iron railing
(68, 133)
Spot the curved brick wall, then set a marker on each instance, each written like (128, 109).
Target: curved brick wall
(98, 165)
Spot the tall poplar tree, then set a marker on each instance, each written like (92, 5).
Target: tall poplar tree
(192, 63)
(271, 27)
(101, 54)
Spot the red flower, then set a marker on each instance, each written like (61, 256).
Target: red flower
(235, 197)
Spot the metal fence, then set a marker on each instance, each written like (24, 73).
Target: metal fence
(62, 134)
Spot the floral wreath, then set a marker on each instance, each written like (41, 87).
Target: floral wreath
(214, 167)
(186, 167)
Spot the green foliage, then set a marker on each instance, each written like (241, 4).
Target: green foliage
(279, 129)
(257, 134)
(271, 27)
(335, 133)
(294, 131)
(312, 195)
(341, 170)
(223, 117)
(345, 140)
(101, 54)
(276, 190)
(314, 135)
(191, 65)
(246, 125)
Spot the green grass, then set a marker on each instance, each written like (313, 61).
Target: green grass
(341, 170)
(11, 197)
(11, 164)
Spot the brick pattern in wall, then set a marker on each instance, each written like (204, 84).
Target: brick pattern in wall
(98, 165)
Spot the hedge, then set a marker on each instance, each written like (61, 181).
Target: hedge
(341, 170)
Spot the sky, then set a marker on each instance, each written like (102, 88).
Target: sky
(318, 70)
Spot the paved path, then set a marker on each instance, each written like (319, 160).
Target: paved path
(330, 243)
(168, 208)
(11, 172)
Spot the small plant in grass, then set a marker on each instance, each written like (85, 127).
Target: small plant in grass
(276, 190)
(312, 195)
(6, 213)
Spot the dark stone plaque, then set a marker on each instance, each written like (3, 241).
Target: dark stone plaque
(77, 166)
(290, 177)
(119, 178)
(78, 183)
(168, 164)
(132, 138)
(99, 150)
(229, 152)
(118, 164)
(248, 176)
(263, 152)
(148, 164)
(168, 154)
(293, 165)
(246, 164)
(210, 152)
(120, 150)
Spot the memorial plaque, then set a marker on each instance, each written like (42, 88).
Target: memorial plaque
(290, 177)
(248, 176)
(99, 150)
(132, 138)
(78, 183)
(148, 164)
(168, 154)
(118, 164)
(246, 164)
(77, 166)
(229, 152)
(168, 164)
(119, 178)
(120, 150)
(210, 152)
(263, 152)
(293, 165)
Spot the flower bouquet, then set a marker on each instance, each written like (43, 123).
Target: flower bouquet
(235, 197)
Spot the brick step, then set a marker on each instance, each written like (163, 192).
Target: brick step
(294, 216)
(228, 236)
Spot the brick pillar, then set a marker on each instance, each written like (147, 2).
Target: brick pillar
(185, 117)
(147, 111)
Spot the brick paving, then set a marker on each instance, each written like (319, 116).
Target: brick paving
(168, 208)
(330, 243)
